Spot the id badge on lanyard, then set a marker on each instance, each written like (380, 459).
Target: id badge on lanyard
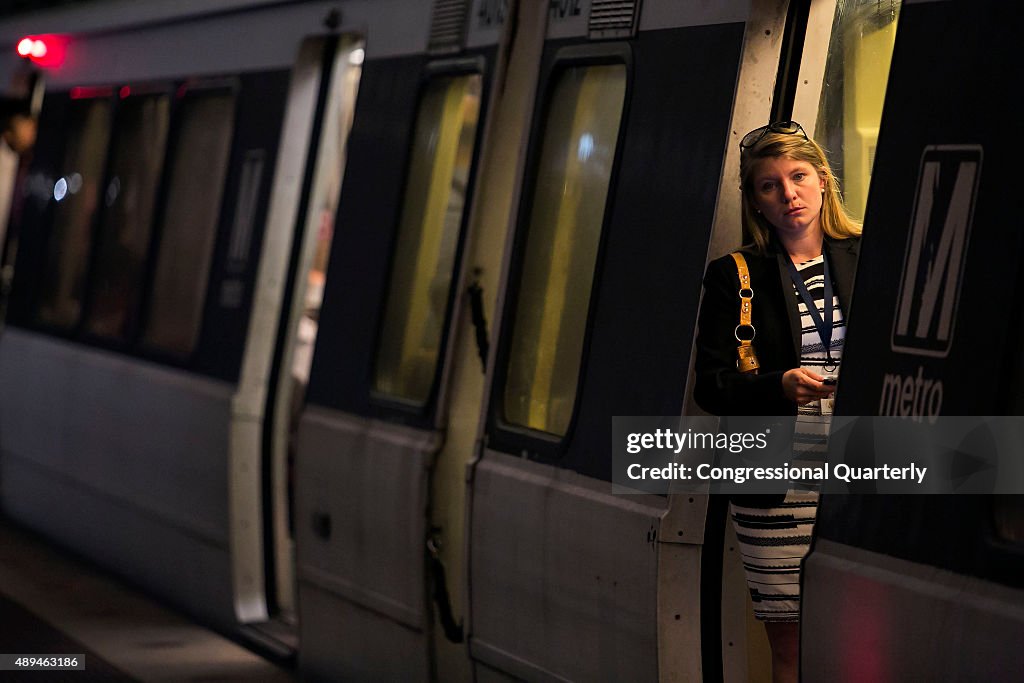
(823, 325)
(827, 405)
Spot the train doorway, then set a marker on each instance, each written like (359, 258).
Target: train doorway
(307, 274)
(308, 179)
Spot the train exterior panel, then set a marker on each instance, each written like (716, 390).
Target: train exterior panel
(84, 486)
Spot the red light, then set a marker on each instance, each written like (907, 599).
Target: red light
(124, 92)
(45, 51)
(80, 93)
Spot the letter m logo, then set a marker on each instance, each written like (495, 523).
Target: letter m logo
(936, 250)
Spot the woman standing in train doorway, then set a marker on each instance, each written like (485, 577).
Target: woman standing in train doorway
(801, 265)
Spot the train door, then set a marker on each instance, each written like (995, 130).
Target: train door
(929, 586)
(600, 285)
(376, 410)
(505, 135)
(275, 368)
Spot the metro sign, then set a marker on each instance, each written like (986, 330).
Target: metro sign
(936, 250)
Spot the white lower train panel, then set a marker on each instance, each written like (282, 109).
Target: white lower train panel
(361, 529)
(563, 574)
(122, 461)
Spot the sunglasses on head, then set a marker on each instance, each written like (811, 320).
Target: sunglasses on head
(783, 127)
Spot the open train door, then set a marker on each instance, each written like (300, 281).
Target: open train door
(931, 587)
(275, 367)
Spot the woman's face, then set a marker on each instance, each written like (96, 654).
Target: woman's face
(789, 194)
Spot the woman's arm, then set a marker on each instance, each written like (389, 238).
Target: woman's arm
(720, 389)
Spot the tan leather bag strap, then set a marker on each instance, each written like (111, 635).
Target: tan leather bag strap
(746, 358)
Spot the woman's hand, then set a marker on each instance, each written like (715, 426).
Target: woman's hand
(803, 386)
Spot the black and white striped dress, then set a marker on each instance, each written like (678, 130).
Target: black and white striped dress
(773, 541)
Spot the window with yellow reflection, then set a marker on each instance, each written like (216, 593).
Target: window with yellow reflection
(428, 237)
(567, 210)
(856, 73)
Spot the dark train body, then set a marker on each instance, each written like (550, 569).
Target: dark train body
(320, 312)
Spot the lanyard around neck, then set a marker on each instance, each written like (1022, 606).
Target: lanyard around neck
(822, 324)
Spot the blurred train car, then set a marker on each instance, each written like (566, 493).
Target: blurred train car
(493, 218)
(170, 247)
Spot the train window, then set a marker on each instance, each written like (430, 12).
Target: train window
(856, 73)
(123, 236)
(188, 224)
(1008, 512)
(428, 235)
(573, 174)
(77, 194)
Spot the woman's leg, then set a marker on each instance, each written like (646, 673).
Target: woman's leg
(772, 542)
(784, 638)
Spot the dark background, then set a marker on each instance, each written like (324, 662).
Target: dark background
(9, 7)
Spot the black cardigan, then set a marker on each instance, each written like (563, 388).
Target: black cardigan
(720, 389)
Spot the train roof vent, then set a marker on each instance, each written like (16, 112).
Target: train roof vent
(614, 18)
(448, 26)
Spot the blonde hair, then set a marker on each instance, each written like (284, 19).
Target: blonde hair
(835, 221)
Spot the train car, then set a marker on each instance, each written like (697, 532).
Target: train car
(484, 489)
(930, 587)
(321, 311)
(170, 247)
